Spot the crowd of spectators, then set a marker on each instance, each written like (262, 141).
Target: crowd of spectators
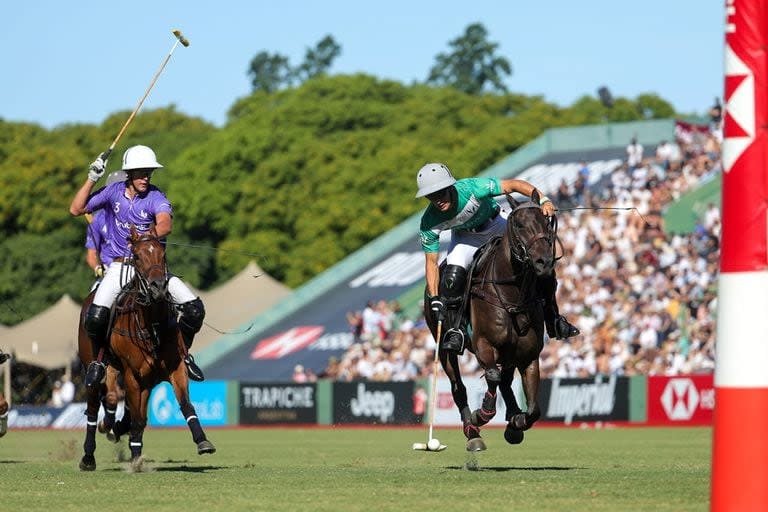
(644, 298)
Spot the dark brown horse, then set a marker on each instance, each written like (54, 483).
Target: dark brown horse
(147, 347)
(507, 321)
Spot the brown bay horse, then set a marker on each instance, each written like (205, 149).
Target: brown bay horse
(507, 321)
(146, 346)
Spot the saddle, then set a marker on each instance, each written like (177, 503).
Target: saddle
(478, 261)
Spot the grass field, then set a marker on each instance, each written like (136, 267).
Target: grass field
(573, 470)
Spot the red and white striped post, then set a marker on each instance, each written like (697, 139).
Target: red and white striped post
(740, 449)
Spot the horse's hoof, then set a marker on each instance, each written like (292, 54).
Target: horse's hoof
(88, 463)
(205, 447)
(519, 422)
(476, 445)
(513, 435)
(102, 428)
(112, 437)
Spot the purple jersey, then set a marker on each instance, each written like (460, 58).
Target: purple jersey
(120, 212)
(96, 236)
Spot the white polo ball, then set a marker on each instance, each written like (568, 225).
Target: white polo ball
(433, 444)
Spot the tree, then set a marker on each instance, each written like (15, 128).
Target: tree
(319, 59)
(270, 72)
(472, 64)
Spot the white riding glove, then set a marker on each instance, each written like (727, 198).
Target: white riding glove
(97, 168)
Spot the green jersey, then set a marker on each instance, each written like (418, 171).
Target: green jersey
(475, 205)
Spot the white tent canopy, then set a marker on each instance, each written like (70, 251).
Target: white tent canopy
(48, 339)
(237, 301)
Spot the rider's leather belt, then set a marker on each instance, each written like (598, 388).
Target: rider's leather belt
(485, 225)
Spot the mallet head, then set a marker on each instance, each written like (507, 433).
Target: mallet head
(183, 40)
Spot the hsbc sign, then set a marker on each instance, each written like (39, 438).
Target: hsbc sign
(739, 119)
(675, 400)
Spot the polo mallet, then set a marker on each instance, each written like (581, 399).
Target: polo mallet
(430, 446)
(179, 39)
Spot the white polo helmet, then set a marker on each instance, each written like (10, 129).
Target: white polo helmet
(433, 177)
(140, 157)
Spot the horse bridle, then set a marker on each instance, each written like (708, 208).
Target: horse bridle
(143, 285)
(518, 248)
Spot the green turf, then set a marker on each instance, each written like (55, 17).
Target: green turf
(573, 470)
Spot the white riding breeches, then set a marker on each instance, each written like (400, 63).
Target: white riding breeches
(464, 244)
(113, 282)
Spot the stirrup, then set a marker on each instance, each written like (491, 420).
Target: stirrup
(563, 328)
(193, 371)
(453, 341)
(95, 373)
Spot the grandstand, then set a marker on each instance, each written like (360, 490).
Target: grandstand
(310, 326)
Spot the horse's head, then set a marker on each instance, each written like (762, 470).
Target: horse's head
(149, 261)
(532, 235)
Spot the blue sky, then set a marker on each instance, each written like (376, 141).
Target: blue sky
(79, 61)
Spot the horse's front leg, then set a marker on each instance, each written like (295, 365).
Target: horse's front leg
(136, 398)
(180, 383)
(511, 435)
(486, 356)
(530, 374)
(93, 402)
(450, 364)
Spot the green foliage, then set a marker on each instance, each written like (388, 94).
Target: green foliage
(36, 270)
(472, 66)
(269, 72)
(296, 180)
(319, 59)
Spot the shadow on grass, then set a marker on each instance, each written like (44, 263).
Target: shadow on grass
(11, 462)
(176, 469)
(513, 468)
(190, 469)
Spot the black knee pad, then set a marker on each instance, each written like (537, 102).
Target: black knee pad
(453, 281)
(97, 323)
(192, 315)
(493, 375)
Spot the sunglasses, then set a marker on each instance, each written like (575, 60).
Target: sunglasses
(141, 174)
(440, 194)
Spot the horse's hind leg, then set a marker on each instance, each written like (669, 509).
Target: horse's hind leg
(511, 435)
(530, 374)
(123, 426)
(88, 462)
(180, 384)
(109, 401)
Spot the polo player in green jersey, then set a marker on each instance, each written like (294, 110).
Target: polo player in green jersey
(468, 209)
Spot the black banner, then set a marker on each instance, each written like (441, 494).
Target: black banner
(601, 398)
(265, 403)
(378, 403)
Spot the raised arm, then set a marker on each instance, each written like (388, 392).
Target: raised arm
(525, 188)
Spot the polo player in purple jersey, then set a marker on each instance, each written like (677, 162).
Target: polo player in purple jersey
(132, 202)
